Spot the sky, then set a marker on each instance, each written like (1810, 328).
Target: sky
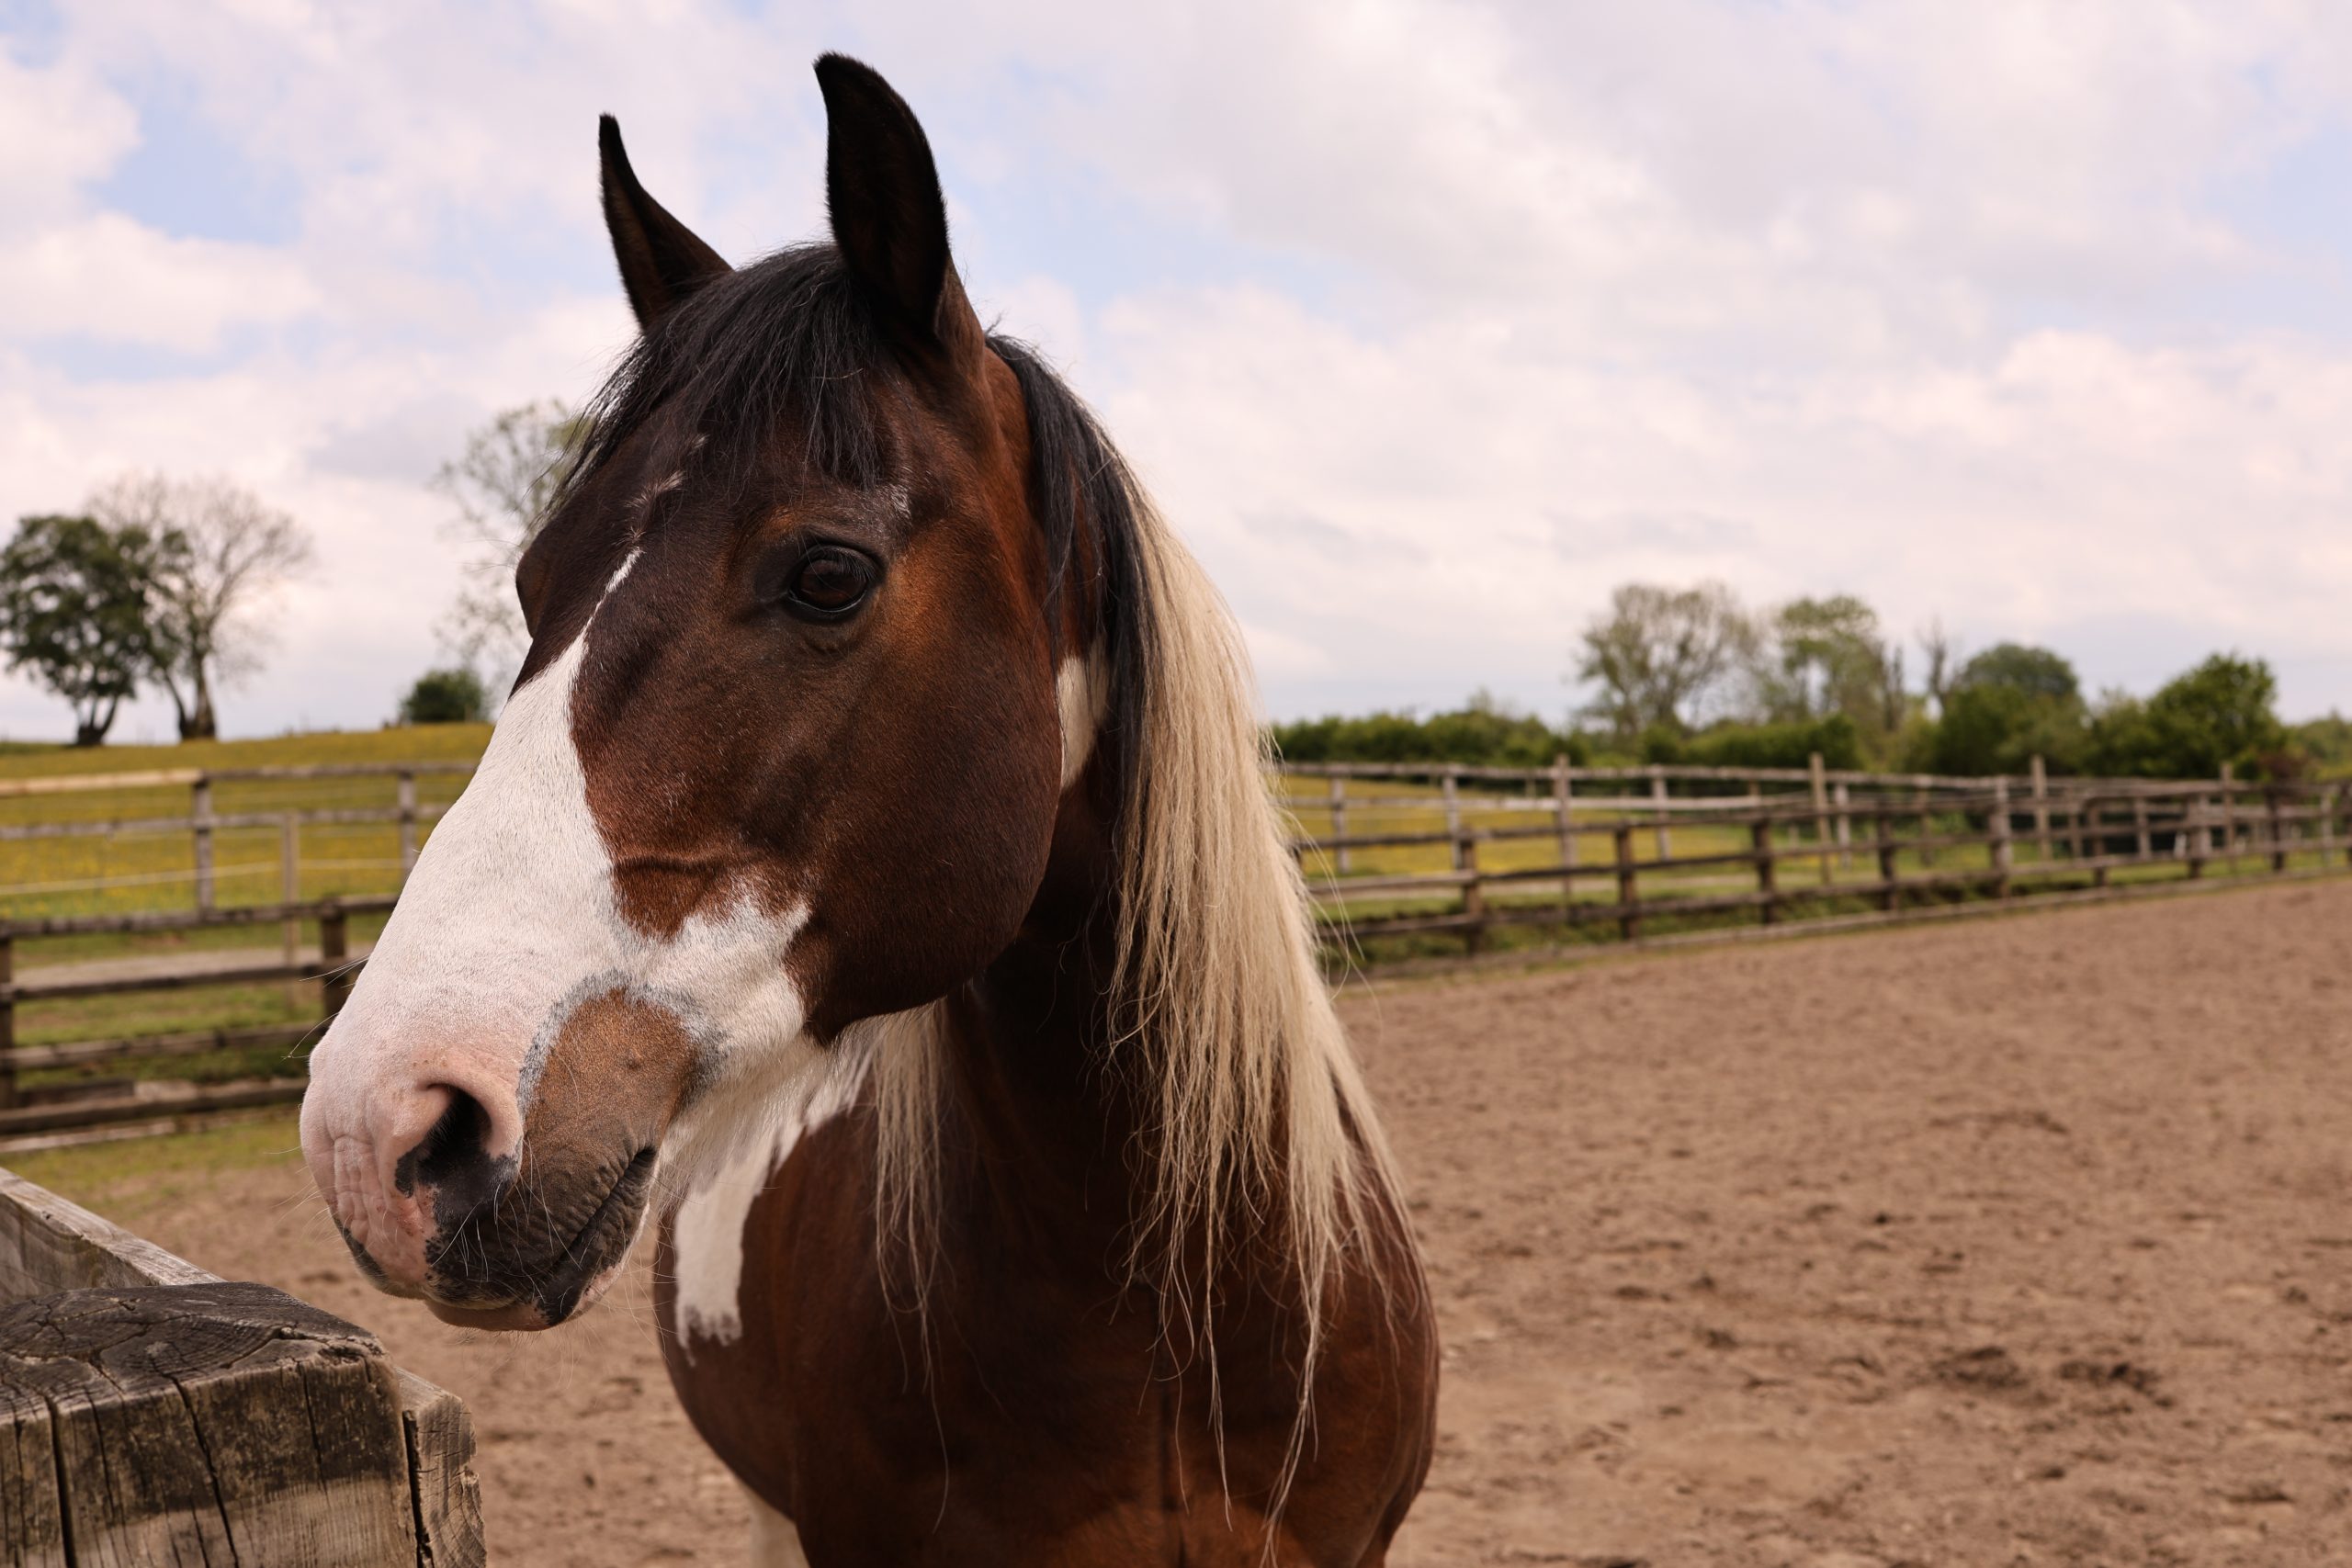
(1427, 323)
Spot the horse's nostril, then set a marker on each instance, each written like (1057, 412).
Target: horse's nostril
(454, 1155)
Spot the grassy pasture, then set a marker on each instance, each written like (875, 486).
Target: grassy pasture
(122, 872)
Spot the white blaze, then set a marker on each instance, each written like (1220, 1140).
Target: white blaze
(509, 919)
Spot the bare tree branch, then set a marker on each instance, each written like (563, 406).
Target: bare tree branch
(221, 555)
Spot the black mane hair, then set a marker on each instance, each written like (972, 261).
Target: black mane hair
(786, 348)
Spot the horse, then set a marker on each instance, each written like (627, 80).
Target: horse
(871, 887)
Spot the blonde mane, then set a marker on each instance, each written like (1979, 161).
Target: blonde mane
(1257, 1125)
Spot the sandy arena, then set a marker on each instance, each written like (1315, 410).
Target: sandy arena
(2014, 1241)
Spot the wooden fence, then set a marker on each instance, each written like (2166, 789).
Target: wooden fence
(1469, 853)
(1814, 851)
(152, 1412)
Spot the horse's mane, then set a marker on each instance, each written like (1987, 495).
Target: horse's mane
(1258, 1132)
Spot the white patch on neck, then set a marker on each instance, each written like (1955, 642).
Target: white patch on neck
(1081, 694)
(707, 1230)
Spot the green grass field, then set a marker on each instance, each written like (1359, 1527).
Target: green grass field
(155, 870)
(120, 873)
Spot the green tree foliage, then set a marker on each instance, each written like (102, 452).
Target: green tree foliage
(446, 696)
(2222, 711)
(1788, 744)
(1826, 656)
(2008, 705)
(1483, 732)
(76, 612)
(1661, 657)
(2327, 742)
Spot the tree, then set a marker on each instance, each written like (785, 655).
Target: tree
(1942, 652)
(2218, 712)
(76, 602)
(219, 555)
(444, 696)
(2036, 671)
(1661, 655)
(2008, 705)
(1826, 656)
(501, 485)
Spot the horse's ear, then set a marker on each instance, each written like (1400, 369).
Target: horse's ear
(882, 190)
(663, 260)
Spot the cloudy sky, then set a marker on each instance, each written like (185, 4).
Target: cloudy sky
(1428, 322)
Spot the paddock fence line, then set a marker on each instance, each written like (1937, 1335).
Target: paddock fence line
(1545, 848)
(1454, 855)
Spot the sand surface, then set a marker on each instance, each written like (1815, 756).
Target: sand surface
(2016, 1241)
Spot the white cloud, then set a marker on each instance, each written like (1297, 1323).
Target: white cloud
(1496, 306)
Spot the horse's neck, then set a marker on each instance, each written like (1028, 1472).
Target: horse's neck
(1038, 1097)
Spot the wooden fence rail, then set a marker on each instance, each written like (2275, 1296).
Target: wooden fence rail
(2079, 834)
(1594, 853)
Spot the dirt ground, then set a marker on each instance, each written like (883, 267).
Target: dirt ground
(2018, 1241)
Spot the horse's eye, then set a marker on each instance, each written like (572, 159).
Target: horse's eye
(829, 582)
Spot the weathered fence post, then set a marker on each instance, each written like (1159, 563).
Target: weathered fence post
(7, 1019)
(335, 957)
(2277, 824)
(1919, 803)
(290, 880)
(2087, 835)
(1657, 803)
(2039, 776)
(408, 822)
(1998, 825)
(1629, 924)
(1845, 825)
(2230, 815)
(2196, 834)
(200, 817)
(1821, 817)
(1890, 891)
(2140, 826)
(1563, 803)
(1454, 806)
(1760, 837)
(1474, 892)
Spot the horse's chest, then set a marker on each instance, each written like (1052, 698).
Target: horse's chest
(1028, 1415)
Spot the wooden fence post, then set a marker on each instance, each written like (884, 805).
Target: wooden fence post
(2039, 775)
(2277, 825)
(1629, 924)
(1657, 800)
(1890, 891)
(1919, 803)
(7, 1019)
(1454, 806)
(2087, 836)
(1845, 825)
(334, 958)
(290, 879)
(1474, 892)
(408, 822)
(2230, 814)
(1760, 837)
(1821, 817)
(2196, 834)
(1998, 824)
(2327, 826)
(1563, 802)
(2140, 826)
(200, 814)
